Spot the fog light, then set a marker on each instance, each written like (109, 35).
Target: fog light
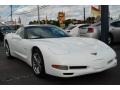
(61, 67)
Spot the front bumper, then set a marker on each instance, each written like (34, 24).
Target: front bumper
(78, 72)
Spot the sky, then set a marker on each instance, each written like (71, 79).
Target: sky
(29, 12)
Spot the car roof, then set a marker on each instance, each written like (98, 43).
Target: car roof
(34, 25)
(115, 20)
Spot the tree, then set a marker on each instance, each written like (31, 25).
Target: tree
(67, 22)
(90, 20)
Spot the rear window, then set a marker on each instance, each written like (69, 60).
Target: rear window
(70, 27)
(84, 26)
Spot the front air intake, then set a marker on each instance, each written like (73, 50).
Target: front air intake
(67, 73)
(78, 67)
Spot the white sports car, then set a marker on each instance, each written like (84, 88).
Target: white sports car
(48, 49)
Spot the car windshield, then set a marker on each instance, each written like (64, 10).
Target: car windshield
(36, 32)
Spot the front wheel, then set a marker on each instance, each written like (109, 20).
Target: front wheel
(7, 50)
(37, 63)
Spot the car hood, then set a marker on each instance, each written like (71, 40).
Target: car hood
(74, 44)
(68, 42)
(76, 49)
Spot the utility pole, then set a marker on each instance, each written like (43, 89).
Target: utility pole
(38, 14)
(104, 23)
(84, 13)
(11, 13)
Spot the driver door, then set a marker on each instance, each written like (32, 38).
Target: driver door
(20, 44)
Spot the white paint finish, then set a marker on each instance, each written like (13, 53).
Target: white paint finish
(70, 51)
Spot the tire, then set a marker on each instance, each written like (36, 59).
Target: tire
(7, 50)
(1, 38)
(37, 63)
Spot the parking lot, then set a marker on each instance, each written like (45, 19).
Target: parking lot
(14, 71)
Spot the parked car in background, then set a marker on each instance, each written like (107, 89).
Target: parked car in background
(14, 27)
(4, 30)
(82, 30)
(73, 30)
(69, 29)
(114, 31)
(94, 31)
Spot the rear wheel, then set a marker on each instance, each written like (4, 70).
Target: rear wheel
(37, 63)
(7, 50)
(110, 40)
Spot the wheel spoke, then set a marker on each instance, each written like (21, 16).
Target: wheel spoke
(36, 63)
(37, 70)
(35, 58)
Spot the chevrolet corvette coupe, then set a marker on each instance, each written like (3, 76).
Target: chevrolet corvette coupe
(49, 50)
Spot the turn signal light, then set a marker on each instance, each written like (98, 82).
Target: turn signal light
(61, 67)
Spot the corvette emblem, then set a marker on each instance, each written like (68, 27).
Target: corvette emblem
(94, 53)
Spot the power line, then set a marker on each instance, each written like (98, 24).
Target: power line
(12, 12)
(25, 12)
(34, 9)
(84, 13)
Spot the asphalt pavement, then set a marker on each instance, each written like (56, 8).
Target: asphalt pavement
(15, 72)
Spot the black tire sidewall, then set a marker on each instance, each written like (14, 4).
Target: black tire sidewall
(110, 37)
(42, 72)
(9, 55)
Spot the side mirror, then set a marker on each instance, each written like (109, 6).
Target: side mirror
(17, 37)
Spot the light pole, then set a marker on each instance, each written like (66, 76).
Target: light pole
(38, 14)
(11, 13)
(104, 23)
(84, 13)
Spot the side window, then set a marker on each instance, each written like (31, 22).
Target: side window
(20, 32)
(27, 33)
(116, 24)
(31, 33)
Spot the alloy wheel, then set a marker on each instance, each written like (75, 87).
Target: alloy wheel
(7, 50)
(37, 63)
